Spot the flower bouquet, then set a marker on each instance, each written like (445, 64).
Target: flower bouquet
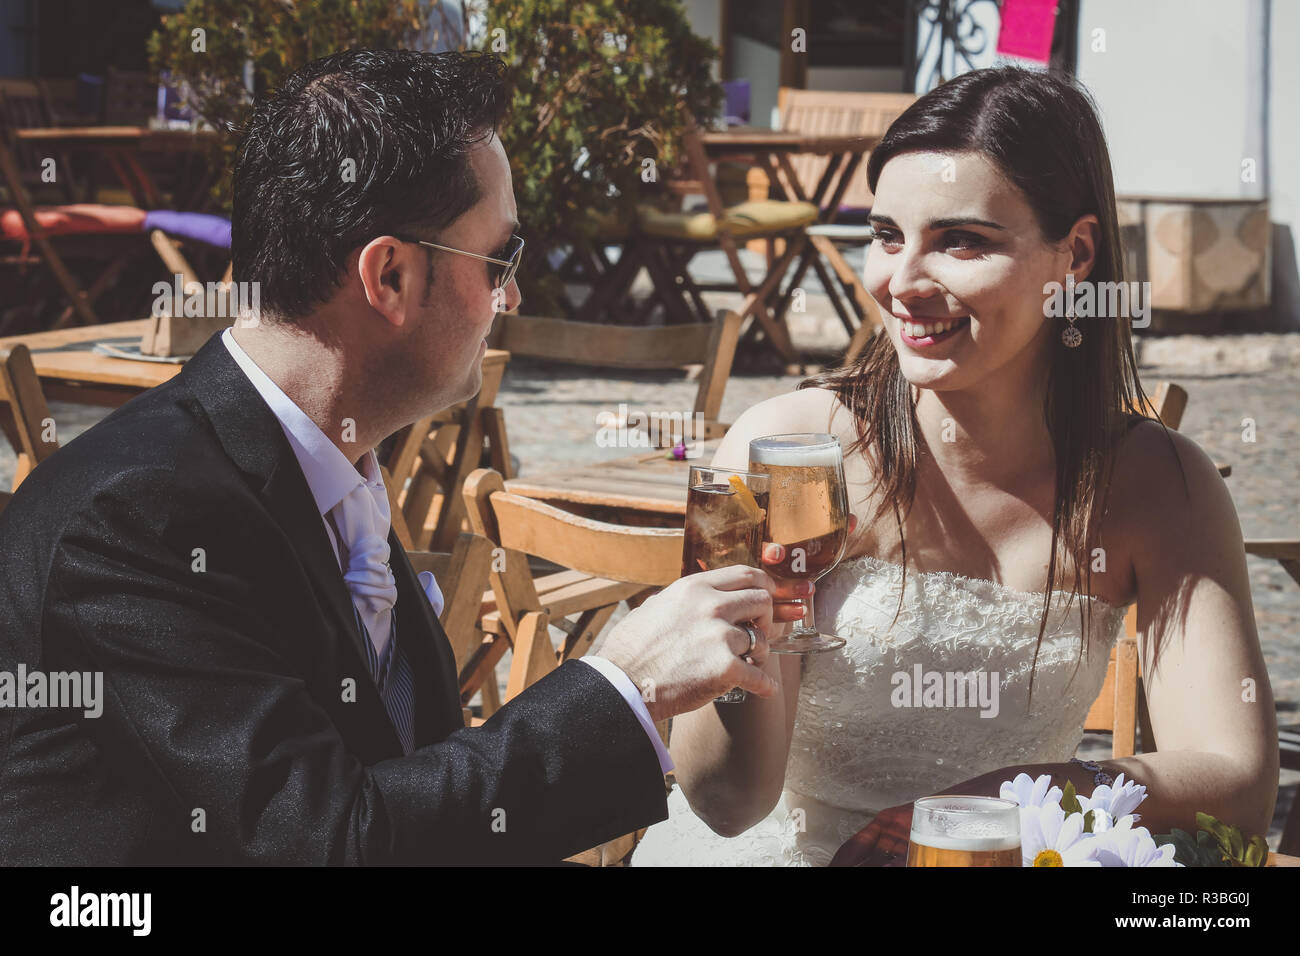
(1063, 828)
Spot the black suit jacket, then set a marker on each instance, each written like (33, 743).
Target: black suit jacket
(176, 548)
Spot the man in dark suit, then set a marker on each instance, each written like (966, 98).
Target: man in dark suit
(276, 685)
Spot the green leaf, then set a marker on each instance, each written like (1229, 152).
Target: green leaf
(1070, 799)
(1257, 852)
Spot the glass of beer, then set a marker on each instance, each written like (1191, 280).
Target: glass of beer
(809, 517)
(726, 513)
(964, 831)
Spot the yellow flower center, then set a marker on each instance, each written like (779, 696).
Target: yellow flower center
(1048, 858)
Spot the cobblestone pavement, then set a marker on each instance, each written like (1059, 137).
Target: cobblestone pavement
(551, 414)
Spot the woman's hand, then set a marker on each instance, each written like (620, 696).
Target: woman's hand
(882, 842)
(790, 590)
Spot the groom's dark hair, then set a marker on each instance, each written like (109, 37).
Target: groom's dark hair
(353, 146)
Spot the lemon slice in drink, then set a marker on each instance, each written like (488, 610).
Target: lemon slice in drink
(745, 497)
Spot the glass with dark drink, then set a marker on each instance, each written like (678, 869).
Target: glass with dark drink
(726, 514)
(808, 515)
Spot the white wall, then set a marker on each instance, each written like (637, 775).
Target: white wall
(1283, 166)
(1180, 86)
(761, 65)
(1190, 89)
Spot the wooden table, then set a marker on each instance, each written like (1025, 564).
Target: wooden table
(71, 372)
(122, 148)
(644, 489)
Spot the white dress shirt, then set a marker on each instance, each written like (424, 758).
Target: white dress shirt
(330, 477)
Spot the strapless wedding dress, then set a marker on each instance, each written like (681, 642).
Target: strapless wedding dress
(861, 742)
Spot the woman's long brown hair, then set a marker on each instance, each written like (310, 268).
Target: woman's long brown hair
(1042, 131)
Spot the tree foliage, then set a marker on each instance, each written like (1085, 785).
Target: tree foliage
(597, 88)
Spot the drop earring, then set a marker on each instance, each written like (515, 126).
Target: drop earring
(1070, 335)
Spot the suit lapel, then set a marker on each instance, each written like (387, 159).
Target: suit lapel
(252, 437)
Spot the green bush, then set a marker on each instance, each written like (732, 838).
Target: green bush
(598, 88)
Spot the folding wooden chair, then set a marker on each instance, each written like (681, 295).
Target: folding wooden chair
(836, 113)
(24, 416)
(667, 241)
(97, 237)
(430, 460)
(27, 103)
(710, 346)
(602, 564)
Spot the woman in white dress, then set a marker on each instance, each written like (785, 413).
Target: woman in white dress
(990, 452)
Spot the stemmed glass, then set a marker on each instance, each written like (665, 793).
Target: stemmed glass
(726, 513)
(808, 515)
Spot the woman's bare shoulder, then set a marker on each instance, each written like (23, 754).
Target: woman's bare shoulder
(803, 410)
(1165, 477)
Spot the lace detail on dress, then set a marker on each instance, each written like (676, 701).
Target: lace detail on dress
(860, 744)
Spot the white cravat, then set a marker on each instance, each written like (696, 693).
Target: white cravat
(362, 518)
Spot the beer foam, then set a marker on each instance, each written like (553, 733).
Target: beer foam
(792, 454)
(968, 842)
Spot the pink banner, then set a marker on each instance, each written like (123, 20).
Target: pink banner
(1027, 27)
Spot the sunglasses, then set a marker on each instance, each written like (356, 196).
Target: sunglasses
(501, 266)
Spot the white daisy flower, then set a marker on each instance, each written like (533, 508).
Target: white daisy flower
(1119, 799)
(1028, 792)
(1122, 844)
(1050, 838)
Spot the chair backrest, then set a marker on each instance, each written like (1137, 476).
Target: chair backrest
(130, 98)
(522, 528)
(24, 415)
(1121, 705)
(25, 103)
(462, 575)
(712, 346)
(836, 112)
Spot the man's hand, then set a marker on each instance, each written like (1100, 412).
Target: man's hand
(684, 646)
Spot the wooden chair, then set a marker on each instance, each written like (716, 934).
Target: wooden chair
(1120, 708)
(602, 564)
(430, 460)
(667, 241)
(107, 244)
(24, 415)
(710, 346)
(833, 112)
(27, 103)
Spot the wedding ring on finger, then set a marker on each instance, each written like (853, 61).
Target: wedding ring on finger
(753, 641)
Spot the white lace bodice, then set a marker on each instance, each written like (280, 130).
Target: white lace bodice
(860, 742)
